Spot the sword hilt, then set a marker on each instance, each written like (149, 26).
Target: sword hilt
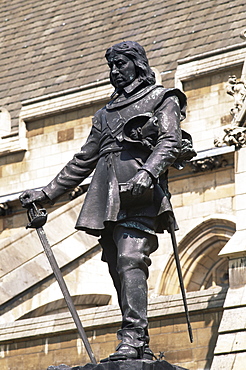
(37, 217)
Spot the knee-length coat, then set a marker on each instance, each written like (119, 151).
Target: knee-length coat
(140, 129)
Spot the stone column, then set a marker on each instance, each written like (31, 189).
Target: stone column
(230, 351)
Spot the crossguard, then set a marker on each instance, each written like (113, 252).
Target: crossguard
(37, 217)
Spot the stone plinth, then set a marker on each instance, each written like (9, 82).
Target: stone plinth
(123, 365)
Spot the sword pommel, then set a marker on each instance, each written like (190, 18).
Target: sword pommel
(37, 217)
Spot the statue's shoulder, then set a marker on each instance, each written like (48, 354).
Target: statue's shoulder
(97, 119)
(172, 91)
(163, 93)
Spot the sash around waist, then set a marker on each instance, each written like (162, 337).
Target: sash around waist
(112, 149)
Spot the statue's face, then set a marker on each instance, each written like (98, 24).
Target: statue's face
(122, 70)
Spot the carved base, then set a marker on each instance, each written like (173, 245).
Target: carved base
(123, 365)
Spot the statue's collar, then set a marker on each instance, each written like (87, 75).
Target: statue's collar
(129, 89)
(129, 94)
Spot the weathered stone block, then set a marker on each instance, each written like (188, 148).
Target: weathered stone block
(240, 161)
(65, 135)
(223, 362)
(239, 183)
(219, 192)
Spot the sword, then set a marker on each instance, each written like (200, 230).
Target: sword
(37, 218)
(176, 255)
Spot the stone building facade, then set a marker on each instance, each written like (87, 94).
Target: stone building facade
(51, 86)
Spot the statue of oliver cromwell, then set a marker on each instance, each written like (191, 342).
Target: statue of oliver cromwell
(133, 141)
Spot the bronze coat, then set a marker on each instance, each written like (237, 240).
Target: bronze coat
(117, 160)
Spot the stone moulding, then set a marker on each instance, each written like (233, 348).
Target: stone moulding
(207, 63)
(12, 144)
(65, 100)
(208, 164)
(210, 159)
(93, 318)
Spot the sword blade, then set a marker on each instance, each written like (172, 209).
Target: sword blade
(65, 292)
(176, 255)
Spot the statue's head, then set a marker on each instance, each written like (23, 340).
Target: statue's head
(132, 59)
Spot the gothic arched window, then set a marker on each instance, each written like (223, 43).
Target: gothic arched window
(202, 267)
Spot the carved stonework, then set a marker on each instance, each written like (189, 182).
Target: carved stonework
(233, 136)
(236, 88)
(209, 163)
(235, 133)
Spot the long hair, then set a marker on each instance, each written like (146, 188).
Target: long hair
(136, 53)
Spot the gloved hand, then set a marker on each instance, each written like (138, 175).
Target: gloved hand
(30, 196)
(140, 182)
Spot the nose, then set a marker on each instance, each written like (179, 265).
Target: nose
(114, 70)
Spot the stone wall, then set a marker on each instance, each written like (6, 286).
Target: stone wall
(34, 344)
(52, 142)
(208, 106)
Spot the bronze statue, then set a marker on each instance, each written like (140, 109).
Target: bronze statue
(133, 141)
